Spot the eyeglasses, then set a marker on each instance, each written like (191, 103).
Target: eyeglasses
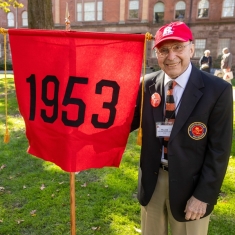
(177, 48)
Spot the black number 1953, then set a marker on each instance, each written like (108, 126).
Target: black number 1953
(68, 100)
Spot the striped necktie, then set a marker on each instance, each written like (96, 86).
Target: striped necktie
(169, 112)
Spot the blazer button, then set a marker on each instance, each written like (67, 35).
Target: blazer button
(156, 173)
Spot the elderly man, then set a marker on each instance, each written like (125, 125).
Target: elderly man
(186, 138)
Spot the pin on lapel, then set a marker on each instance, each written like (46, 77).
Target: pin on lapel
(155, 99)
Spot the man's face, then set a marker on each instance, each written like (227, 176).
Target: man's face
(177, 60)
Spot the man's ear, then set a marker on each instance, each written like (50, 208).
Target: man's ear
(192, 50)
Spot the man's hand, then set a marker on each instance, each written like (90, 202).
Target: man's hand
(195, 209)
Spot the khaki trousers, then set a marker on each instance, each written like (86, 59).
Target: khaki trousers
(157, 214)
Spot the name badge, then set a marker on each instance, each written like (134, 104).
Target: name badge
(163, 129)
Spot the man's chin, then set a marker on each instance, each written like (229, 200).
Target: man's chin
(172, 74)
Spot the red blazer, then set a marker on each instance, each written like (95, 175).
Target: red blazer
(196, 166)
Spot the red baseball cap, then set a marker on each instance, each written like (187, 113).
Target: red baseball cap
(176, 31)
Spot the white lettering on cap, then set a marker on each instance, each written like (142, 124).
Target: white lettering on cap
(167, 31)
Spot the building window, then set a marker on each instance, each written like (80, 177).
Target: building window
(90, 10)
(228, 8)
(159, 12)
(223, 42)
(79, 12)
(180, 10)
(99, 10)
(200, 45)
(203, 8)
(25, 18)
(133, 9)
(10, 19)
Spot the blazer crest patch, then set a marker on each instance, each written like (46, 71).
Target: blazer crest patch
(197, 130)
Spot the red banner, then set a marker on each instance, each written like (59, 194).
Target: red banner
(76, 92)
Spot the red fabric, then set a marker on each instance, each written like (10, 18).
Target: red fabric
(76, 92)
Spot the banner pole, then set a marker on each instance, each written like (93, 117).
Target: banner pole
(72, 203)
(148, 37)
(72, 174)
(67, 18)
(5, 32)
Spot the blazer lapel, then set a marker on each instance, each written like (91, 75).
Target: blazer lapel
(191, 96)
(158, 87)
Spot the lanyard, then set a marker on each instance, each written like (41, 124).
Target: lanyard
(166, 119)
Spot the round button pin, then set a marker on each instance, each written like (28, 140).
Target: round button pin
(155, 100)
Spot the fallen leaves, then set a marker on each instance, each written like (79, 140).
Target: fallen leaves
(2, 189)
(19, 221)
(2, 166)
(33, 213)
(95, 228)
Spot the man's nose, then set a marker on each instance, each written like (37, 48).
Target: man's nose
(171, 55)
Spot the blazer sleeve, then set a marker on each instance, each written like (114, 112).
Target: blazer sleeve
(136, 118)
(220, 129)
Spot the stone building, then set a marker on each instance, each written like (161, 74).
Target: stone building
(211, 21)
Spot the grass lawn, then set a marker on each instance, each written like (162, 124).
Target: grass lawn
(35, 195)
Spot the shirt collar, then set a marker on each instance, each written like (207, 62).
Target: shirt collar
(182, 79)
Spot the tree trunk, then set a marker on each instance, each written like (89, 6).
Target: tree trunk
(40, 14)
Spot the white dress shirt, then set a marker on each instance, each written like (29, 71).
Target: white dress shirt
(178, 90)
